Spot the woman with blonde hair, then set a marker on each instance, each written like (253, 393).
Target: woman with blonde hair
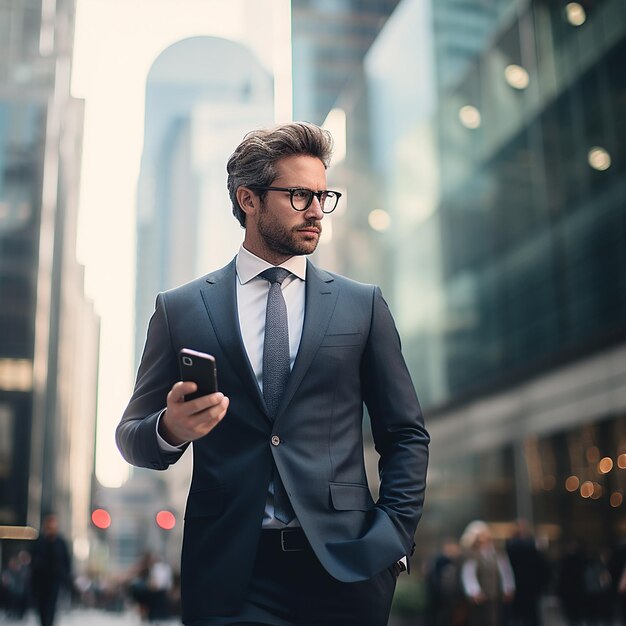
(486, 576)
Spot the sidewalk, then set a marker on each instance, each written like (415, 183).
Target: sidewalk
(87, 617)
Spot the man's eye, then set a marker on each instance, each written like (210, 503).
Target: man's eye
(300, 193)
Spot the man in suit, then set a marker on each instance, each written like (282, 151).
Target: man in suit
(280, 526)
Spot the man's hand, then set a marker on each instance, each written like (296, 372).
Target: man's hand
(188, 421)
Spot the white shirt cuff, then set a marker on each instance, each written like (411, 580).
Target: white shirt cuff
(163, 445)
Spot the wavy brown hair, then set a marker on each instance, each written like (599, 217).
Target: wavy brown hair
(253, 163)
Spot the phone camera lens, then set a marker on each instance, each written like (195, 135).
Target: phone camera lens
(187, 361)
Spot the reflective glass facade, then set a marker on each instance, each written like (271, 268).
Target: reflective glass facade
(329, 39)
(22, 141)
(486, 192)
(532, 229)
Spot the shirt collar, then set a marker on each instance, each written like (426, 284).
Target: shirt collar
(249, 265)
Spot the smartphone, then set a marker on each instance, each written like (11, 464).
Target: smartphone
(199, 368)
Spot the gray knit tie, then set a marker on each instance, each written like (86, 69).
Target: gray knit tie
(276, 369)
(276, 359)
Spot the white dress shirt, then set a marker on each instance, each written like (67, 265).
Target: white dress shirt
(252, 292)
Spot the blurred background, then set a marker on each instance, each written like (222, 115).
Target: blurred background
(480, 147)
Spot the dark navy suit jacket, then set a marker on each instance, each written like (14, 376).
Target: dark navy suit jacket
(349, 354)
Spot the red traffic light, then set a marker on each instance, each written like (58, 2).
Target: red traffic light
(101, 518)
(165, 520)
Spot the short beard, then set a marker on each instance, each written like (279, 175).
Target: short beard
(280, 240)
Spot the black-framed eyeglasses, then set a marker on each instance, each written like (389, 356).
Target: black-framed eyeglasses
(301, 197)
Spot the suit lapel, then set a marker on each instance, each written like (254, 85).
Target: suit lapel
(321, 298)
(220, 299)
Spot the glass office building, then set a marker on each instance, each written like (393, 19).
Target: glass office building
(48, 329)
(329, 40)
(486, 191)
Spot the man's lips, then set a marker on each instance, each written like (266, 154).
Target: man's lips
(310, 229)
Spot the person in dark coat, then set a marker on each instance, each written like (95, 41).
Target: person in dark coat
(531, 573)
(51, 569)
(570, 586)
(445, 594)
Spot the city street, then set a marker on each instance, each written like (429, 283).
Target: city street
(87, 617)
(97, 617)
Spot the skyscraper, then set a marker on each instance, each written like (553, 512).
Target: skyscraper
(203, 94)
(330, 39)
(49, 331)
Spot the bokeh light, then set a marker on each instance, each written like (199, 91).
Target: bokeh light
(101, 519)
(470, 116)
(575, 13)
(165, 520)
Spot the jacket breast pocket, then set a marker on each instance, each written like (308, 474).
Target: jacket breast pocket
(350, 497)
(341, 340)
(205, 502)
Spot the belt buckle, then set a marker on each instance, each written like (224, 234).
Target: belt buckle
(283, 542)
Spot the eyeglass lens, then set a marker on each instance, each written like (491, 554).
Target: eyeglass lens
(301, 199)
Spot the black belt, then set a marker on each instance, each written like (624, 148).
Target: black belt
(286, 540)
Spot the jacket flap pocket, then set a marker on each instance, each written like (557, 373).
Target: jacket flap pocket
(205, 502)
(350, 497)
(342, 339)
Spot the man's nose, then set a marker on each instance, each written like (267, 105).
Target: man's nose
(315, 209)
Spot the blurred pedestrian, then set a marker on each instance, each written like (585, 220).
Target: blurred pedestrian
(150, 586)
(139, 587)
(531, 572)
(570, 584)
(15, 582)
(160, 582)
(598, 590)
(447, 606)
(51, 569)
(486, 576)
(617, 569)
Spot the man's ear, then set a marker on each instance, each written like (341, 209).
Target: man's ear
(248, 201)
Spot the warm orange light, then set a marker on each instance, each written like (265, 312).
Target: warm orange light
(616, 499)
(605, 465)
(572, 483)
(621, 461)
(165, 520)
(586, 489)
(101, 519)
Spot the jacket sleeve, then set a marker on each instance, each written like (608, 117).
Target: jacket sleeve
(400, 437)
(136, 434)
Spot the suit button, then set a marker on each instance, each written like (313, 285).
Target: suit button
(275, 440)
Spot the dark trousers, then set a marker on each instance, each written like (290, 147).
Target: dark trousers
(46, 596)
(291, 588)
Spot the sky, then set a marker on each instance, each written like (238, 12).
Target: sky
(116, 42)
